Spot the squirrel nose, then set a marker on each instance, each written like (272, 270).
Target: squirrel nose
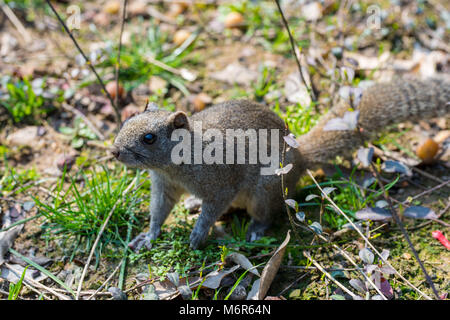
(115, 151)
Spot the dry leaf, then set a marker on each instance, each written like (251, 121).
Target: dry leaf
(214, 278)
(241, 260)
(7, 237)
(271, 268)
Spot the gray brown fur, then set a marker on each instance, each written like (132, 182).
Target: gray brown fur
(220, 186)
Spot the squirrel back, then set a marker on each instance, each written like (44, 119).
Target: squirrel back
(381, 105)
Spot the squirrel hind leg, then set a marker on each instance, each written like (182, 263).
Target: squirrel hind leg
(262, 207)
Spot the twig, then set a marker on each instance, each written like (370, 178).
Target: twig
(306, 254)
(94, 246)
(293, 283)
(364, 237)
(106, 281)
(159, 16)
(119, 51)
(36, 284)
(16, 22)
(291, 39)
(426, 192)
(88, 62)
(344, 254)
(397, 219)
(426, 174)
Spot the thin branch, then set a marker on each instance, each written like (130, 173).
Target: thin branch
(88, 62)
(106, 281)
(124, 13)
(294, 49)
(291, 220)
(306, 254)
(397, 219)
(16, 22)
(364, 237)
(94, 246)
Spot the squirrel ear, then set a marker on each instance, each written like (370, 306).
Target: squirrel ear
(150, 106)
(179, 120)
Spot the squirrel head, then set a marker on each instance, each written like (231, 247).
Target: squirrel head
(144, 140)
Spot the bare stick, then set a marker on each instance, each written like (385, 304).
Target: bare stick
(88, 62)
(291, 39)
(329, 276)
(291, 220)
(364, 237)
(106, 281)
(397, 219)
(94, 246)
(35, 283)
(119, 51)
(16, 22)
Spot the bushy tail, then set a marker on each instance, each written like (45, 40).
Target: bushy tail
(381, 105)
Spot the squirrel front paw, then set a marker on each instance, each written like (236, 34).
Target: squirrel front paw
(142, 240)
(197, 239)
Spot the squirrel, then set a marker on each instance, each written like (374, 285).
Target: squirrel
(146, 141)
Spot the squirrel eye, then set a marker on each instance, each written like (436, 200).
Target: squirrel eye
(149, 138)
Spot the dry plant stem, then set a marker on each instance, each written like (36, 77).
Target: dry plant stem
(94, 246)
(16, 22)
(291, 39)
(306, 253)
(426, 192)
(403, 230)
(360, 270)
(106, 281)
(319, 235)
(283, 156)
(398, 221)
(124, 13)
(88, 62)
(364, 237)
(31, 284)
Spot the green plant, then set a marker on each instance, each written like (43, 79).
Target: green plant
(136, 59)
(21, 101)
(171, 253)
(300, 118)
(14, 289)
(14, 181)
(79, 133)
(349, 196)
(264, 83)
(77, 213)
(239, 228)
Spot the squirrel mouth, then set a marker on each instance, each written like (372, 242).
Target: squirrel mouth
(132, 158)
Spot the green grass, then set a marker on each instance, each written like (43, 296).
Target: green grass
(135, 69)
(349, 196)
(79, 210)
(14, 289)
(15, 180)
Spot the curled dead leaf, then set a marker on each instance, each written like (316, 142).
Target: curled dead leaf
(271, 269)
